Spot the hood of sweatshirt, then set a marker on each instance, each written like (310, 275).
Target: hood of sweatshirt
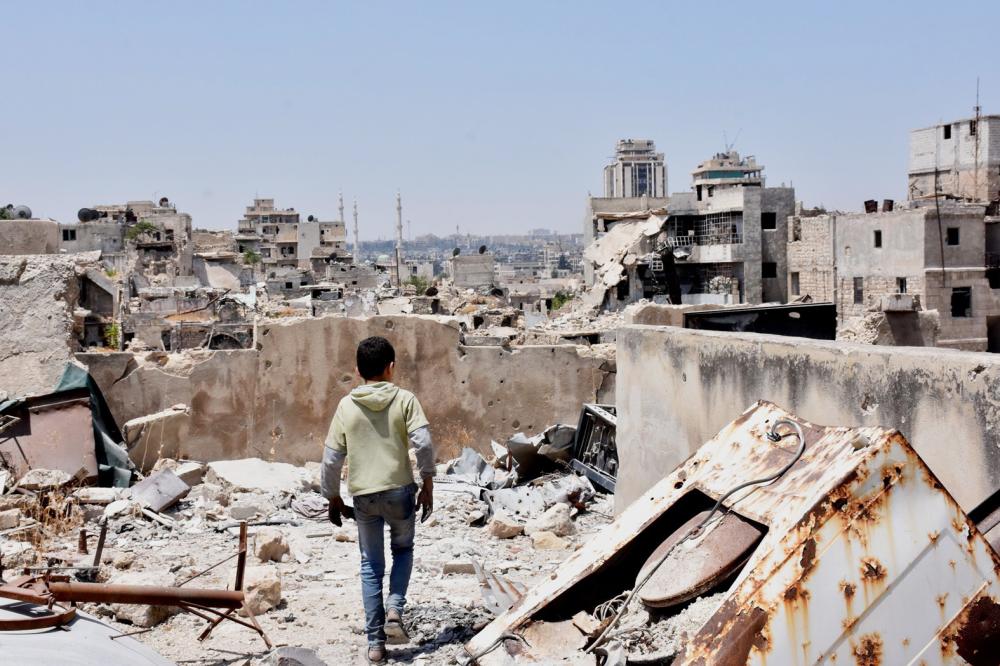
(375, 397)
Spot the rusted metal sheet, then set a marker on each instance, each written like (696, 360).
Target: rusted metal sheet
(698, 566)
(867, 559)
(54, 431)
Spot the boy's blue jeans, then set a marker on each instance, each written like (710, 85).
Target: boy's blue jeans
(397, 509)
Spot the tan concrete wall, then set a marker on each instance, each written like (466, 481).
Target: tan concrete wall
(29, 237)
(38, 294)
(678, 387)
(276, 402)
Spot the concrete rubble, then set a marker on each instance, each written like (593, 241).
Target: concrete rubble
(301, 579)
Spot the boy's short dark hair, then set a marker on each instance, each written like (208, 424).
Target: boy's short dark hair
(374, 356)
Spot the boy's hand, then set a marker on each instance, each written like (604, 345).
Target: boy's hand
(336, 509)
(425, 499)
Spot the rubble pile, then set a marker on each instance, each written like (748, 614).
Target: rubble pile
(302, 572)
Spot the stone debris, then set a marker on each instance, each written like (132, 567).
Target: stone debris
(660, 637)
(556, 520)
(44, 479)
(10, 519)
(503, 527)
(262, 586)
(543, 540)
(254, 474)
(160, 490)
(271, 545)
(96, 495)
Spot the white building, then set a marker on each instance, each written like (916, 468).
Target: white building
(637, 171)
(959, 159)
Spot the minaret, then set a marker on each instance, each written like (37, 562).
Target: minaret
(399, 238)
(357, 242)
(340, 205)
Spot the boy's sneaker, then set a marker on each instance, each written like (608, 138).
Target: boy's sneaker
(395, 632)
(376, 654)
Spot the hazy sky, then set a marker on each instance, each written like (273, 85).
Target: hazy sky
(494, 116)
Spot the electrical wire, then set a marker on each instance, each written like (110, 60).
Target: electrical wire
(772, 435)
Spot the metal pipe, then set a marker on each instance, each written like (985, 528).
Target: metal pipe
(143, 594)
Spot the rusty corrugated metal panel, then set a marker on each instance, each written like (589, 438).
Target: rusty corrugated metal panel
(867, 559)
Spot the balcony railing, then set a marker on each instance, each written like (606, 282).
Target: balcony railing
(705, 239)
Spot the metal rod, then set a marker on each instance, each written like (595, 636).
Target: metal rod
(143, 594)
(241, 558)
(100, 544)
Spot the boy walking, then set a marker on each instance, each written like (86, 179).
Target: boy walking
(372, 429)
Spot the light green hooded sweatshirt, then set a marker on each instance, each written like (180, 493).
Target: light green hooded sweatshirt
(372, 426)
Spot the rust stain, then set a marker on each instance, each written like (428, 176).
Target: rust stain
(868, 651)
(975, 633)
(729, 637)
(933, 536)
(808, 559)
(872, 570)
(848, 589)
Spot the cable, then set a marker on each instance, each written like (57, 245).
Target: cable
(771, 435)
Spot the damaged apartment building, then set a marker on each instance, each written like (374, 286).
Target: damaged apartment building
(721, 243)
(923, 273)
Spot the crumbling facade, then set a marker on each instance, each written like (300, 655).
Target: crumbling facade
(722, 243)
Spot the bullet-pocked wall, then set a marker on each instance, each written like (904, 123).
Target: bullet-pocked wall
(276, 402)
(676, 388)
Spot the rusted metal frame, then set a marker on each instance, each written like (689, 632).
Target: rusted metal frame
(197, 609)
(213, 623)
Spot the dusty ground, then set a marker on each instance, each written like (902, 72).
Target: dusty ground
(321, 600)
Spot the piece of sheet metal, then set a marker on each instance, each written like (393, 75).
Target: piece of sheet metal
(698, 565)
(54, 431)
(867, 558)
(498, 593)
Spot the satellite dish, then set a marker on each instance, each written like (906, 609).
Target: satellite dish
(164, 201)
(311, 218)
(482, 249)
(21, 213)
(87, 215)
(456, 252)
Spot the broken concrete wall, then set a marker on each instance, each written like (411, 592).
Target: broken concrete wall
(276, 402)
(38, 295)
(29, 237)
(678, 387)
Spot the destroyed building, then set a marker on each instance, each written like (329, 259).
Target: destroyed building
(900, 264)
(724, 242)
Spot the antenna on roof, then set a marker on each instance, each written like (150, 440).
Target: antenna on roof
(725, 141)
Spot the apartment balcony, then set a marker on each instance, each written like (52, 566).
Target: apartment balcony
(708, 248)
